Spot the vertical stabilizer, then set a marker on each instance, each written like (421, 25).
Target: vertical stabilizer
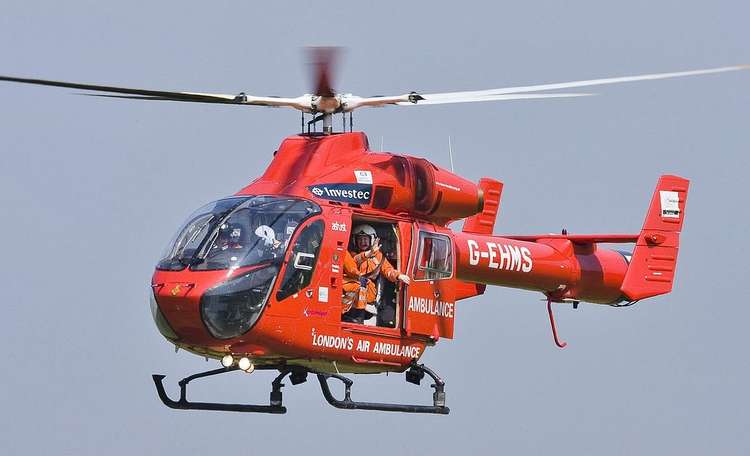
(652, 266)
(484, 222)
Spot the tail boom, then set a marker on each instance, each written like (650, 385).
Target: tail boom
(574, 267)
(555, 266)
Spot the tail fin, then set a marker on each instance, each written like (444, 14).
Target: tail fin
(484, 222)
(481, 223)
(652, 266)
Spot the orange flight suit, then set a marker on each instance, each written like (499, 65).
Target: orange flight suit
(360, 273)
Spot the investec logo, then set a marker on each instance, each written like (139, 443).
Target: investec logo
(349, 193)
(343, 193)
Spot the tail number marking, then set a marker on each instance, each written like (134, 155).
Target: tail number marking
(501, 256)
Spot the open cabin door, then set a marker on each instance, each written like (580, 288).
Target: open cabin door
(430, 300)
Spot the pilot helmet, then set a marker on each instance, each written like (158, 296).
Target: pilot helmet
(364, 230)
(230, 233)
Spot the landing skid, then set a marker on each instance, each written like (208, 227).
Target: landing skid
(183, 404)
(438, 397)
(299, 375)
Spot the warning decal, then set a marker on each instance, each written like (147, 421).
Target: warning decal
(670, 207)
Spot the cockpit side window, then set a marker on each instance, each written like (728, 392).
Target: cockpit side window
(257, 232)
(302, 260)
(237, 232)
(183, 246)
(435, 258)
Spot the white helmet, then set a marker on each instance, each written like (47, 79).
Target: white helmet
(266, 233)
(365, 230)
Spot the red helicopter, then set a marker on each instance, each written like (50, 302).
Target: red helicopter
(339, 259)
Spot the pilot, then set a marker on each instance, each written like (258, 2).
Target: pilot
(230, 237)
(361, 269)
(267, 247)
(268, 236)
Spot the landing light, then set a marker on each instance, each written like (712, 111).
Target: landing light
(246, 365)
(227, 361)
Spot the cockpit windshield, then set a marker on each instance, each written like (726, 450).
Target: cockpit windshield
(236, 232)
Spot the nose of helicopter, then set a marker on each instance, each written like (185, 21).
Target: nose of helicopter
(175, 310)
(161, 322)
(210, 308)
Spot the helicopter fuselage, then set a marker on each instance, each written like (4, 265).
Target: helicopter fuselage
(281, 303)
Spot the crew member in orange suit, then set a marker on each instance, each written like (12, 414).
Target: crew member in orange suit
(361, 269)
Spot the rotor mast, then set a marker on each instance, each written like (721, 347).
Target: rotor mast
(325, 99)
(327, 123)
(323, 108)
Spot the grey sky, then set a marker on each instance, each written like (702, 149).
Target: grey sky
(91, 190)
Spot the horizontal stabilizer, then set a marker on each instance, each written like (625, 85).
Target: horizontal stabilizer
(579, 238)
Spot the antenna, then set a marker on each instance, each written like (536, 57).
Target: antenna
(381, 143)
(450, 151)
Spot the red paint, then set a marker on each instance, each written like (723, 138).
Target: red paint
(416, 197)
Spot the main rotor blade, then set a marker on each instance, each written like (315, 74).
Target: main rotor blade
(323, 61)
(460, 96)
(447, 98)
(351, 102)
(301, 103)
(177, 96)
(140, 97)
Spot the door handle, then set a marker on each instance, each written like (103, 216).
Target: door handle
(298, 257)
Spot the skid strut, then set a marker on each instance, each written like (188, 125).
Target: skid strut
(183, 404)
(438, 397)
(298, 375)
